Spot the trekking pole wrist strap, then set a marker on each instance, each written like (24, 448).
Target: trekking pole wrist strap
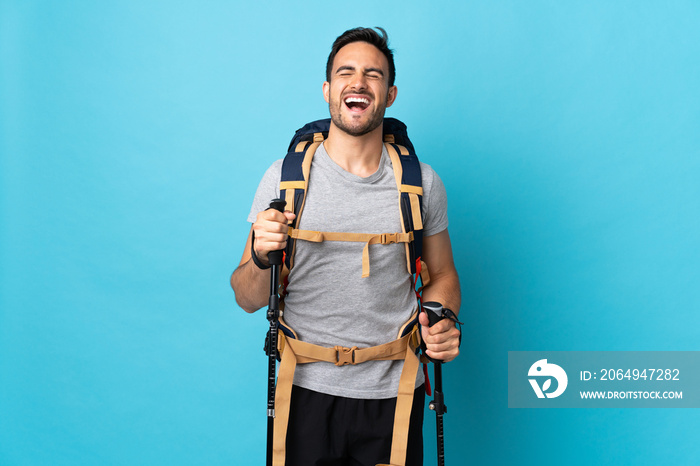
(449, 314)
(254, 256)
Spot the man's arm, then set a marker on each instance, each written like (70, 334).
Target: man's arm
(251, 283)
(442, 339)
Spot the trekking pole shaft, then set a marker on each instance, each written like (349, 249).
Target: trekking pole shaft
(439, 412)
(435, 315)
(272, 315)
(271, 372)
(273, 312)
(441, 441)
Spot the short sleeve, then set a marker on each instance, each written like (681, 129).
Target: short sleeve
(434, 202)
(268, 189)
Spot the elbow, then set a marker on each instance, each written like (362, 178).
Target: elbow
(246, 292)
(240, 299)
(246, 306)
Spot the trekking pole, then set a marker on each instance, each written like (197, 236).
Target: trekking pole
(435, 315)
(273, 314)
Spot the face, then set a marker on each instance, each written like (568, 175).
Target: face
(358, 92)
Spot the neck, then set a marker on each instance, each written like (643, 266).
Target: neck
(359, 155)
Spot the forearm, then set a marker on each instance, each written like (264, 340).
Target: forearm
(444, 288)
(250, 283)
(251, 286)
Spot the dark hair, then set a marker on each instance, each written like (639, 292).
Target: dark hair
(368, 35)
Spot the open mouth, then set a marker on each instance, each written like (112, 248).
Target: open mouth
(357, 103)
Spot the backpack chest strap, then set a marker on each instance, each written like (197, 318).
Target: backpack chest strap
(367, 238)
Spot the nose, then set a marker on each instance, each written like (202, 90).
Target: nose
(359, 82)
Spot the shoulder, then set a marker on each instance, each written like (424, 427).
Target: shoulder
(270, 181)
(427, 172)
(268, 189)
(431, 180)
(434, 201)
(272, 175)
(274, 170)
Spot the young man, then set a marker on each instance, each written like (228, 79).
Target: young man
(345, 414)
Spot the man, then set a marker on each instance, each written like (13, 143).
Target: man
(345, 415)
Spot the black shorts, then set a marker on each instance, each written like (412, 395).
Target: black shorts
(326, 430)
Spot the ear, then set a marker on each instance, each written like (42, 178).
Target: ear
(327, 91)
(391, 96)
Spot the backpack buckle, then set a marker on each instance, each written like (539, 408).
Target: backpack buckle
(344, 355)
(388, 238)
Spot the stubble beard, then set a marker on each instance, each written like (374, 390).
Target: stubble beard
(359, 129)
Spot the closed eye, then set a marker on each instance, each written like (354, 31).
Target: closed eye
(345, 71)
(374, 73)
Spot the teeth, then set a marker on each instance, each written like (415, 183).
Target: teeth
(357, 99)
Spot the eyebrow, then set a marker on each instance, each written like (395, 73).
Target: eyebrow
(352, 68)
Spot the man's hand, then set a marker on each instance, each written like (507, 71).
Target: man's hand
(441, 340)
(249, 282)
(270, 229)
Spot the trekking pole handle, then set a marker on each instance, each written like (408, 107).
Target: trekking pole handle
(434, 311)
(275, 257)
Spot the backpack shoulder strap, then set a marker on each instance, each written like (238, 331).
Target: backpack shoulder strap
(295, 173)
(409, 182)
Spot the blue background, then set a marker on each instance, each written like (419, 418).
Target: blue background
(133, 135)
